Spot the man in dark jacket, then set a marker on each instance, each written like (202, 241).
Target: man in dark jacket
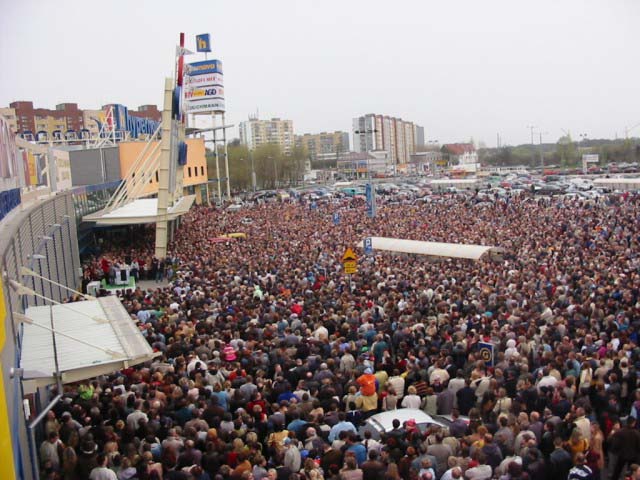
(559, 462)
(466, 398)
(625, 445)
(373, 469)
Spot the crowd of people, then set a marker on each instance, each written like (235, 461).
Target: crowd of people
(271, 359)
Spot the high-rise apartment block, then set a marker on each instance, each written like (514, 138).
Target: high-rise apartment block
(255, 132)
(325, 146)
(399, 138)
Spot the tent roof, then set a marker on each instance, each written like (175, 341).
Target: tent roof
(621, 180)
(78, 361)
(436, 249)
(142, 210)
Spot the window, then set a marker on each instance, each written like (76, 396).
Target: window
(189, 170)
(202, 170)
(157, 177)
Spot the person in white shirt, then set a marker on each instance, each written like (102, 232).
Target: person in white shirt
(397, 382)
(452, 474)
(412, 400)
(101, 472)
(134, 417)
(320, 332)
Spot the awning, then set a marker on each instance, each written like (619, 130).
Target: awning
(435, 249)
(113, 341)
(142, 210)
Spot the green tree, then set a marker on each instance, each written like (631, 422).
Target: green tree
(566, 150)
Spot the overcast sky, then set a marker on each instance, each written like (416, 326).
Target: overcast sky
(461, 69)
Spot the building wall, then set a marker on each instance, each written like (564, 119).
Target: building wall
(324, 145)
(94, 166)
(67, 116)
(419, 135)
(196, 163)
(9, 115)
(254, 133)
(390, 134)
(21, 237)
(90, 124)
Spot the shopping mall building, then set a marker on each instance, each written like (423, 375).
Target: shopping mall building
(46, 191)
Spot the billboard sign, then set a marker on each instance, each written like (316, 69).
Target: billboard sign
(587, 159)
(204, 67)
(203, 42)
(368, 246)
(371, 200)
(486, 351)
(204, 87)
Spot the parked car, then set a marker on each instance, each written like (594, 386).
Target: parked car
(383, 422)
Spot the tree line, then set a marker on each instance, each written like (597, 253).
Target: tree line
(273, 167)
(565, 153)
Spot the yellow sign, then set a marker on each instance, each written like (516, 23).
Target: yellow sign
(350, 267)
(349, 255)
(350, 262)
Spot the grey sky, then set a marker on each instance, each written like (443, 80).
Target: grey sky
(460, 68)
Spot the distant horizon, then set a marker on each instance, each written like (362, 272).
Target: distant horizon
(463, 69)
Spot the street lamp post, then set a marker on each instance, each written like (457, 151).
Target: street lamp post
(542, 151)
(533, 150)
(628, 129)
(371, 192)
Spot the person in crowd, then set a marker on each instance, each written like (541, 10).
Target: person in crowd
(268, 354)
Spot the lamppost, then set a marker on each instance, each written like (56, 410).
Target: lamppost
(628, 129)
(370, 191)
(433, 146)
(532, 128)
(253, 172)
(275, 170)
(542, 151)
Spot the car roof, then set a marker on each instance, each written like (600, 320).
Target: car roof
(384, 421)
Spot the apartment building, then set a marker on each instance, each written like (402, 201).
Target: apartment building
(65, 119)
(373, 132)
(325, 146)
(255, 132)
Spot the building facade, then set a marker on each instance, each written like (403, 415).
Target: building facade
(255, 132)
(65, 120)
(325, 146)
(9, 115)
(462, 156)
(373, 132)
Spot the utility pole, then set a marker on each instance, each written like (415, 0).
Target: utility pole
(542, 151)
(533, 150)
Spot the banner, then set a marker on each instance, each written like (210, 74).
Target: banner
(371, 200)
(204, 67)
(32, 169)
(200, 80)
(203, 43)
(203, 87)
(486, 351)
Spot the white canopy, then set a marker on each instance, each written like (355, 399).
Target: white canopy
(142, 210)
(435, 249)
(105, 340)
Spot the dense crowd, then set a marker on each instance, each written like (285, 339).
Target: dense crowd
(270, 359)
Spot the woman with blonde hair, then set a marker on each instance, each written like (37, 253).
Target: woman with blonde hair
(392, 472)
(577, 443)
(411, 400)
(350, 470)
